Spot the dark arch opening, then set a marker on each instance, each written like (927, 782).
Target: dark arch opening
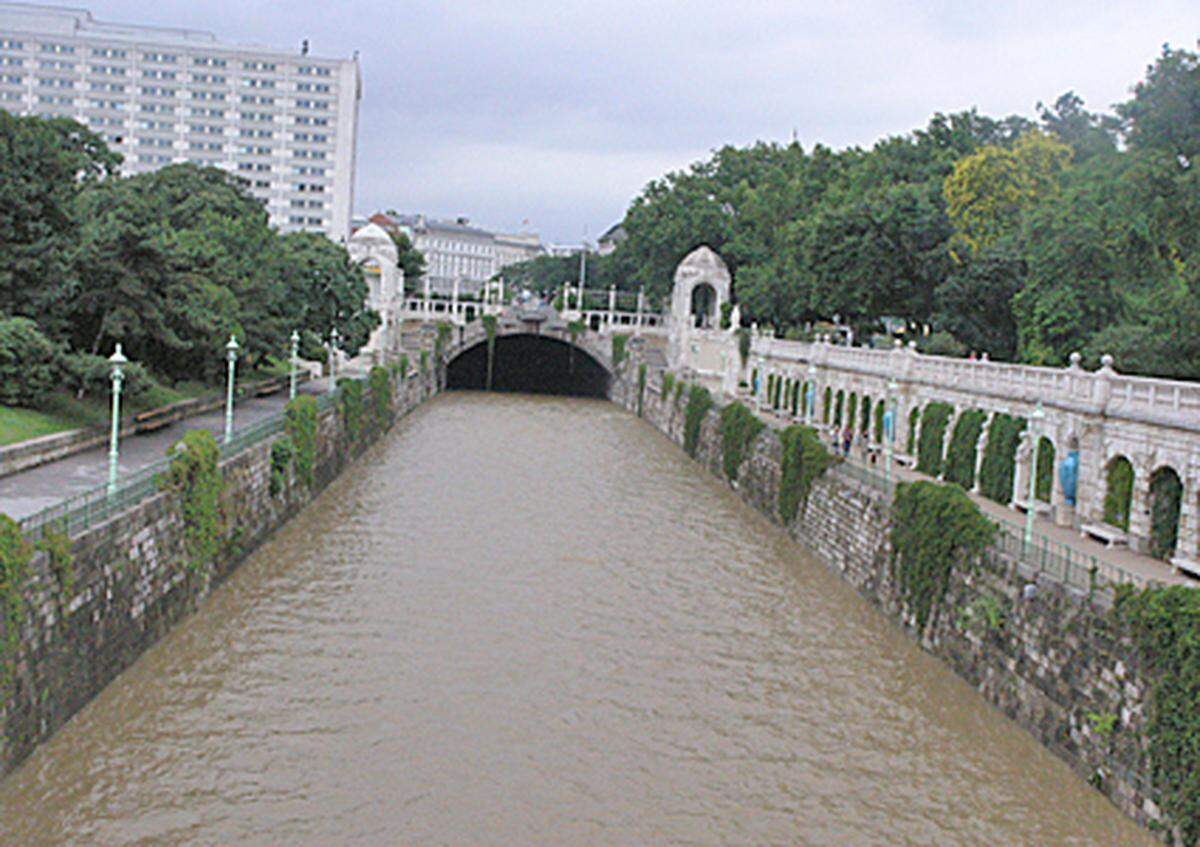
(533, 364)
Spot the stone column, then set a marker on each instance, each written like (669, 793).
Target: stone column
(980, 449)
(612, 305)
(454, 302)
(1139, 507)
(1189, 521)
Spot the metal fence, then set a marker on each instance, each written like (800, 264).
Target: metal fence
(96, 505)
(1043, 555)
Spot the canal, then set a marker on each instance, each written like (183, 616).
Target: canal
(526, 620)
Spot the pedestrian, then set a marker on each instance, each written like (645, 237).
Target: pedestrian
(847, 439)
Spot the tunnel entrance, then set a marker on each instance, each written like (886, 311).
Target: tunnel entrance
(534, 364)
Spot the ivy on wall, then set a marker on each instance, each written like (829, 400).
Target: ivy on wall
(914, 418)
(999, 457)
(879, 424)
(56, 544)
(837, 408)
(804, 460)
(300, 427)
(933, 434)
(442, 342)
(679, 386)
(743, 341)
(425, 362)
(351, 405)
(668, 382)
(619, 343)
(739, 428)
(1164, 623)
(796, 393)
(936, 529)
(1118, 495)
(852, 412)
(827, 403)
(283, 455)
(1045, 469)
(963, 450)
(641, 387)
(194, 477)
(15, 555)
(1166, 492)
(402, 367)
(699, 402)
(865, 424)
(380, 383)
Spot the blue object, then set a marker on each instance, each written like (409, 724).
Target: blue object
(1068, 476)
(889, 426)
(812, 399)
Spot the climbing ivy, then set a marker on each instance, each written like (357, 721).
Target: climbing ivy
(865, 416)
(195, 478)
(743, 342)
(641, 387)
(936, 528)
(618, 349)
(351, 404)
(425, 363)
(1118, 494)
(739, 428)
(914, 418)
(15, 554)
(668, 382)
(283, 454)
(964, 443)
(1045, 469)
(879, 424)
(851, 411)
(837, 409)
(380, 384)
(300, 426)
(56, 544)
(699, 402)
(933, 434)
(804, 460)
(489, 331)
(1166, 492)
(999, 457)
(679, 386)
(1164, 623)
(826, 405)
(442, 342)
(403, 366)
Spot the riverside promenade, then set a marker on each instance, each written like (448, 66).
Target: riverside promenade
(26, 492)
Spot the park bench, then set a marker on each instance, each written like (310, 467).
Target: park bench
(1184, 565)
(1109, 535)
(1039, 507)
(153, 419)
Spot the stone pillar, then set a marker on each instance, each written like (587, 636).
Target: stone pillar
(1139, 507)
(425, 305)
(454, 302)
(980, 449)
(612, 305)
(1189, 521)
(640, 305)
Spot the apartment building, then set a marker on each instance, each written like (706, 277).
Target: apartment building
(285, 122)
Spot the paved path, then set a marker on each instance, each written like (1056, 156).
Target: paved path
(24, 493)
(1139, 565)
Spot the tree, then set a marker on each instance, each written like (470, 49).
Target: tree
(1164, 113)
(1087, 133)
(409, 259)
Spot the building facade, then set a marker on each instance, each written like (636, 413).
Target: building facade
(457, 253)
(285, 122)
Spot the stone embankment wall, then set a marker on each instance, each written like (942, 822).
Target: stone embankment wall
(130, 580)
(1058, 662)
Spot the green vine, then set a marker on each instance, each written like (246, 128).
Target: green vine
(964, 448)
(351, 404)
(56, 544)
(679, 386)
(935, 529)
(837, 409)
(283, 455)
(425, 363)
(851, 411)
(489, 331)
(826, 405)
(743, 342)
(668, 382)
(195, 477)
(699, 402)
(914, 418)
(618, 349)
(441, 343)
(933, 434)
(15, 555)
(804, 460)
(641, 387)
(879, 411)
(739, 428)
(300, 426)
(1045, 469)
(380, 383)
(864, 425)
(1164, 623)
(1166, 493)
(403, 366)
(999, 457)
(1118, 493)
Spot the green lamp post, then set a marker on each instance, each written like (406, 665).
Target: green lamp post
(333, 348)
(117, 359)
(231, 352)
(292, 365)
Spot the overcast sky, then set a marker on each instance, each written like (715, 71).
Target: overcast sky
(559, 113)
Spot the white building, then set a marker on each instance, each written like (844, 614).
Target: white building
(285, 122)
(457, 252)
(374, 249)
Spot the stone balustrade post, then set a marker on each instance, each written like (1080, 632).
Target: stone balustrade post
(1102, 383)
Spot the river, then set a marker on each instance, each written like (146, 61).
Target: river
(526, 621)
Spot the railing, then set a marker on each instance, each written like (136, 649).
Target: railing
(96, 505)
(1043, 555)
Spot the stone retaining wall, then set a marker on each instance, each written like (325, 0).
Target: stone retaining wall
(1060, 662)
(130, 581)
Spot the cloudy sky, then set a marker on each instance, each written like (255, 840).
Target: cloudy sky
(559, 113)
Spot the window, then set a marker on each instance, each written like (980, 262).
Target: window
(257, 116)
(157, 107)
(251, 150)
(309, 120)
(319, 87)
(9, 44)
(261, 183)
(55, 82)
(312, 104)
(10, 95)
(208, 113)
(116, 105)
(151, 73)
(257, 133)
(258, 66)
(57, 48)
(259, 99)
(213, 146)
(161, 58)
(209, 62)
(208, 95)
(308, 154)
(309, 170)
(108, 70)
(114, 87)
(209, 79)
(258, 83)
(55, 100)
(10, 79)
(159, 125)
(315, 137)
(56, 65)
(11, 61)
(109, 53)
(155, 142)
(158, 91)
(206, 129)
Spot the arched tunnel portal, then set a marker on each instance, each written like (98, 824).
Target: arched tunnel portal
(535, 364)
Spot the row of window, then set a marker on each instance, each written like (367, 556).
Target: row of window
(161, 108)
(57, 48)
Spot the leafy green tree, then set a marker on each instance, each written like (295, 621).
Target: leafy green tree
(409, 259)
(1164, 113)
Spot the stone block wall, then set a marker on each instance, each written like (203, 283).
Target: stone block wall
(130, 580)
(1060, 664)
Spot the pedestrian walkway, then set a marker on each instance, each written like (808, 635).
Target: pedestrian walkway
(27, 492)
(1139, 568)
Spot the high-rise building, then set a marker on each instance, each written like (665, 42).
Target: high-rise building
(285, 122)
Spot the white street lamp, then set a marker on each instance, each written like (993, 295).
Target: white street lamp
(1035, 431)
(231, 352)
(292, 365)
(118, 376)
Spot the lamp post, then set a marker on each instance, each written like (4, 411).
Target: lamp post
(1035, 431)
(333, 346)
(889, 435)
(118, 376)
(810, 394)
(292, 365)
(231, 351)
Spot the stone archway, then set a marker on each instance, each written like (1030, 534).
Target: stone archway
(703, 308)
(1118, 494)
(1166, 497)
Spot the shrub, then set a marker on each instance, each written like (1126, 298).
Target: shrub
(194, 476)
(300, 424)
(999, 457)
(942, 343)
(964, 443)
(380, 383)
(351, 404)
(699, 402)
(933, 434)
(28, 363)
(283, 454)
(739, 428)
(805, 459)
(15, 555)
(743, 342)
(935, 529)
(85, 374)
(668, 382)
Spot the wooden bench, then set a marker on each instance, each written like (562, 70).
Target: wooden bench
(1184, 565)
(1109, 535)
(1039, 507)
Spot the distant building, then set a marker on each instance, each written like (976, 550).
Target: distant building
(564, 249)
(285, 122)
(613, 236)
(457, 251)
